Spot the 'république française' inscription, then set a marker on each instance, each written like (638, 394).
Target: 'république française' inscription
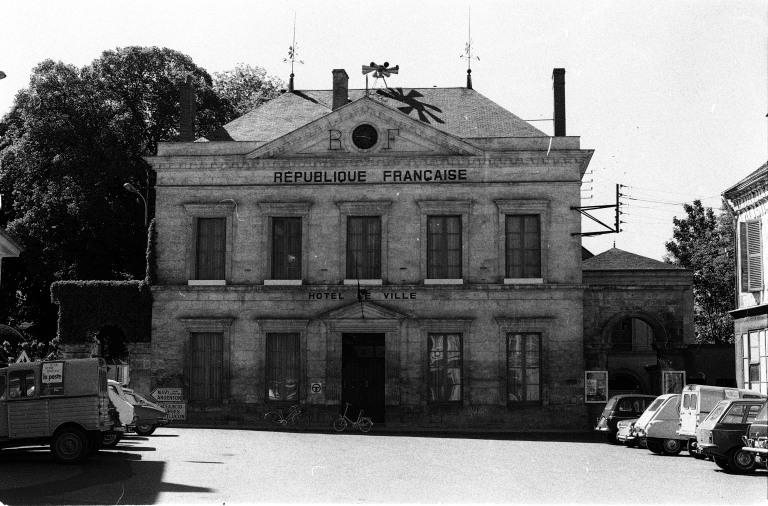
(364, 176)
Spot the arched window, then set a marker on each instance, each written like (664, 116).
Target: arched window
(632, 334)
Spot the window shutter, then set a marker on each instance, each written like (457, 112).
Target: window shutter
(754, 256)
(743, 258)
(211, 248)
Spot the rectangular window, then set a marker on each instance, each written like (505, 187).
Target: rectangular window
(444, 247)
(283, 367)
(21, 384)
(523, 246)
(286, 248)
(364, 247)
(206, 357)
(211, 248)
(444, 367)
(523, 367)
(750, 256)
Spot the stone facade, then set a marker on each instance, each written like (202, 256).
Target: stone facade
(417, 169)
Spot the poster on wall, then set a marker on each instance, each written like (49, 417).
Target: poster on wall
(52, 377)
(595, 386)
(672, 382)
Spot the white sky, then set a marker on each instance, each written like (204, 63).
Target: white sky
(672, 96)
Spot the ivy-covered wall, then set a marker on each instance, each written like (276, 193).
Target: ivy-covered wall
(87, 306)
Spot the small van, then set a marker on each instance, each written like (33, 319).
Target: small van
(61, 403)
(658, 425)
(697, 401)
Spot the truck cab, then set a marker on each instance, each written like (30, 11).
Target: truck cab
(61, 403)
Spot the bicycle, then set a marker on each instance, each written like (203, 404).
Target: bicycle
(292, 417)
(363, 423)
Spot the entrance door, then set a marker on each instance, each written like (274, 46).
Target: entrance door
(362, 374)
(3, 407)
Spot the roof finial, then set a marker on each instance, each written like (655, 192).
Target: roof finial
(468, 50)
(292, 52)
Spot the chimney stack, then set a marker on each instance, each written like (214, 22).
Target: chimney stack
(340, 88)
(558, 78)
(188, 111)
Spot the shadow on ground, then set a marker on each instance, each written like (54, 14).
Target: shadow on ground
(119, 475)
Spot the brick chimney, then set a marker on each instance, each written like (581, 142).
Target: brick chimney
(340, 88)
(558, 83)
(188, 111)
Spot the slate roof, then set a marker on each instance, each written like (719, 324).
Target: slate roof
(461, 112)
(618, 260)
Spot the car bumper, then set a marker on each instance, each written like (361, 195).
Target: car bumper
(759, 451)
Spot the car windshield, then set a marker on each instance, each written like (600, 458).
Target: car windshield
(713, 416)
(762, 416)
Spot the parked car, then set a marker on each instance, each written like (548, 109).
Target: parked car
(624, 432)
(61, 403)
(756, 441)
(657, 427)
(697, 401)
(126, 415)
(150, 415)
(721, 434)
(621, 407)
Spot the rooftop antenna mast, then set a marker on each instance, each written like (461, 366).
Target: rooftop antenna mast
(468, 51)
(292, 52)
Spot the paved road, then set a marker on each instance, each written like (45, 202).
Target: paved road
(236, 466)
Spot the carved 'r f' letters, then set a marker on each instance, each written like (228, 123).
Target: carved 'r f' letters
(334, 139)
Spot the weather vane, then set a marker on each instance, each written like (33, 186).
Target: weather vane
(292, 52)
(468, 51)
(379, 71)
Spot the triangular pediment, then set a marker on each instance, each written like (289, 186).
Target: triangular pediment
(362, 310)
(397, 134)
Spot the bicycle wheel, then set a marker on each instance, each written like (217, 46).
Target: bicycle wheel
(365, 424)
(340, 424)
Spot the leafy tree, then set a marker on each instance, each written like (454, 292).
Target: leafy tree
(73, 137)
(246, 87)
(703, 242)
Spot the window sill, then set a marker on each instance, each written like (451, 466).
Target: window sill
(283, 282)
(376, 282)
(523, 281)
(207, 282)
(443, 281)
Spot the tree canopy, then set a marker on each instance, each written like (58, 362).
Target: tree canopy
(246, 87)
(73, 137)
(703, 242)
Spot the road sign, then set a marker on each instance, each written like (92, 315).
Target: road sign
(167, 394)
(23, 358)
(316, 388)
(175, 410)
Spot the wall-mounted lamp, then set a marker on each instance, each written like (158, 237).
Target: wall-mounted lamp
(132, 189)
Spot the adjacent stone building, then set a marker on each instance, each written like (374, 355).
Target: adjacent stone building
(414, 252)
(748, 200)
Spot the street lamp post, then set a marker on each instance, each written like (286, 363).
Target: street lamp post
(132, 189)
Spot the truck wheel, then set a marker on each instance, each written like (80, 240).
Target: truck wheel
(110, 439)
(672, 446)
(145, 429)
(655, 445)
(70, 445)
(740, 461)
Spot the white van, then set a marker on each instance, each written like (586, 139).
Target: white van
(658, 426)
(698, 401)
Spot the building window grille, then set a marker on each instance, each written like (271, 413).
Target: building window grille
(444, 247)
(755, 360)
(211, 248)
(523, 246)
(363, 247)
(523, 367)
(283, 366)
(445, 362)
(286, 248)
(206, 366)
